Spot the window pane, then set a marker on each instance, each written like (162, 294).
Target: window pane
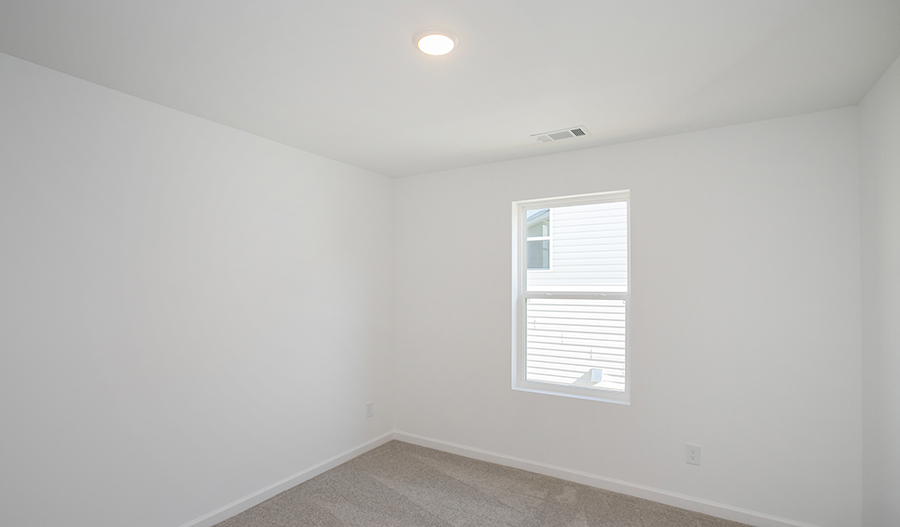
(576, 342)
(590, 250)
(538, 223)
(539, 254)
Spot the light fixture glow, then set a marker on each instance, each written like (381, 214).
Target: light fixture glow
(435, 41)
(436, 44)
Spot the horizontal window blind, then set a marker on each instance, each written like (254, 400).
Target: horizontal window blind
(567, 339)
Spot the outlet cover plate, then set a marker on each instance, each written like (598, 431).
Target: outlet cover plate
(692, 454)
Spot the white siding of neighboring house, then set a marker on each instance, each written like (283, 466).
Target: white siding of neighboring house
(588, 250)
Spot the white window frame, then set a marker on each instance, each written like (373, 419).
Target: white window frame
(520, 295)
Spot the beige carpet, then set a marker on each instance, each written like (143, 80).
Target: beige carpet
(399, 484)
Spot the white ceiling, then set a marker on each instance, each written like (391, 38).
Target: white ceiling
(343, 79)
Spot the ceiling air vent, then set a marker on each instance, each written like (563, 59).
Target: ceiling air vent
(556, 135)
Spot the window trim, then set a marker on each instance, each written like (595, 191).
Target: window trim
(520, 294)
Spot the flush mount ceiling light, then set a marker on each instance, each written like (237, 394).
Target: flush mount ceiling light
(436, 41)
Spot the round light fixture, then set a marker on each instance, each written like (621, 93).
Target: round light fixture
(435, 41)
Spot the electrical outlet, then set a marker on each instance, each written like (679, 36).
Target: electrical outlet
(692, 454)
(369, 409)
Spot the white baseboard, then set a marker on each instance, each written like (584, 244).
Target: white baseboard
(235, 507)
(719, 510)
(622, 487)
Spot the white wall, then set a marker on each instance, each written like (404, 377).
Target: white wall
(745, 321)
(880, 174)
(188, 313)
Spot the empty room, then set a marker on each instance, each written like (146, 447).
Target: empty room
(576, 263)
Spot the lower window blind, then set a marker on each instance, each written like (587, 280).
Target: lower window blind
(568, 340)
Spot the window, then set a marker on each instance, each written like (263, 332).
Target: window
(571, 296)
(537, 230)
